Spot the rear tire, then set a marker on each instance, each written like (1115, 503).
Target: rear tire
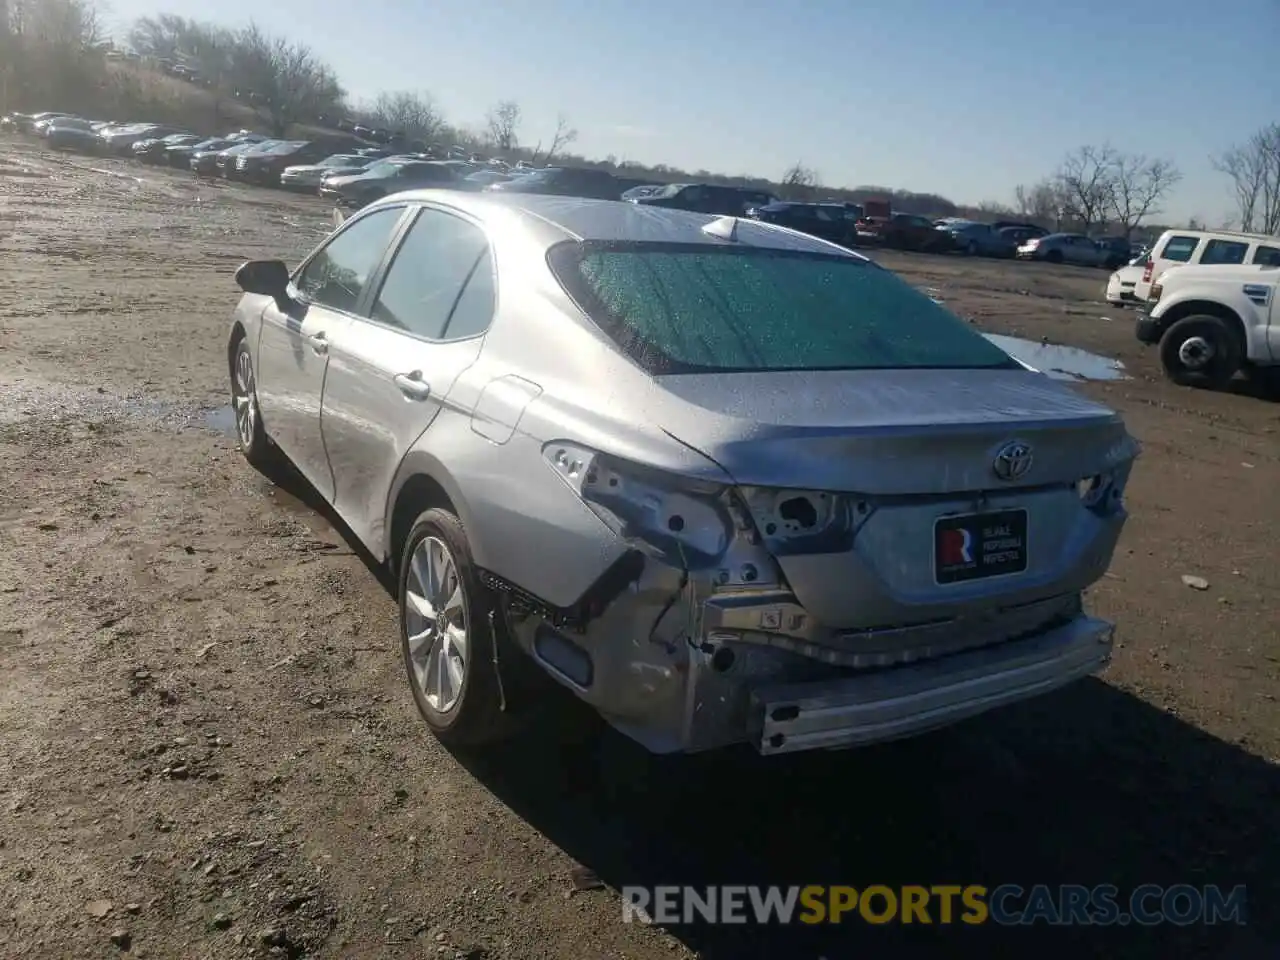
(1201, 351)
(447, 638)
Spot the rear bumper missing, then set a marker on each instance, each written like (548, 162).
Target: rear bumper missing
(904, 701)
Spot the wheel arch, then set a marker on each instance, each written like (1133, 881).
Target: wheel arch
(1210, 308)
(238, 333)
(422, 482)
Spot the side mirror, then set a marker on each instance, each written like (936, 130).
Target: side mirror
(270, 278)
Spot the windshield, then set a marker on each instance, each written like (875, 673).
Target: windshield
(344, 161)
(671, 189)
(693, 308)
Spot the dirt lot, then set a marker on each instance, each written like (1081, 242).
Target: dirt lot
(207, 747)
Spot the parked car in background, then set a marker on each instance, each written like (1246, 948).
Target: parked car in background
(634, 193)
(308, 177)
(979, 239)
(484, 178)
(903, 231)
(1208, 247)
(564, 182)
(228, 160)
(40, 126)
(387, 177)
(23, 122)
(1018, 235)
(777, 464)
(180, 156)
(156, 150)
(265, 166)
(1074, 248)
(119, 141)
(1121, 285)
(72, 133)
(1116, 250)
(1211, 322)
(829, 221)
(708, 198)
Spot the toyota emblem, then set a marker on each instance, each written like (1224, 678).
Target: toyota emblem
(1012, 461)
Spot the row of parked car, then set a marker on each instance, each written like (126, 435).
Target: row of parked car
(353, 171)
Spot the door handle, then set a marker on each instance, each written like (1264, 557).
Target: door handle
(319, 342)
(412, 385)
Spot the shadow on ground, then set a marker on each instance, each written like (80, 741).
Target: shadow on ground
(1087, 786)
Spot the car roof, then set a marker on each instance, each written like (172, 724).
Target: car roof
(575, 218)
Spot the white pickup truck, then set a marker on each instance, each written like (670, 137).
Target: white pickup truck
(1212, 321)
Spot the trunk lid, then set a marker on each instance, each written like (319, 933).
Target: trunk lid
(859, 480)
(890, 432)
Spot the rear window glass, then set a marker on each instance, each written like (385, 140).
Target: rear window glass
(691, 308)
(1180, 248)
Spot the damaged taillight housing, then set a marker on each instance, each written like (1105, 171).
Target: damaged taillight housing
(682, 519)
(1103, 493)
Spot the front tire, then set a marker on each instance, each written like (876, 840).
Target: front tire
(250, 433)
(1201, 351)
(1054, 256)
(447, 636)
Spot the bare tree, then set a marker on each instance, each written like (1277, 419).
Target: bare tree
(63, 23)
(1041, 203)
(502, 125)
(799, 181)
(564, 135)
(1087, 181)
(1254, 169)
(290, 83)
(1138, 185)
(414, 114)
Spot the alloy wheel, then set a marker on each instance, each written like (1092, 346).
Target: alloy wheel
(436, 624)
(244, 398)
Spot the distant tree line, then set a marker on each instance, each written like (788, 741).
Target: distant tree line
(50, 56)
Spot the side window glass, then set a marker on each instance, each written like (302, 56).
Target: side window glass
(474, 310)
(1267, 256)
(1179, 248)
(428, 272)
(336, 276)
(1224, 252)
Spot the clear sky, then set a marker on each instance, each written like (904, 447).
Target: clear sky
(966, 98)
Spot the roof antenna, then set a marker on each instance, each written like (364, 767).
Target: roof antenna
(726, 228)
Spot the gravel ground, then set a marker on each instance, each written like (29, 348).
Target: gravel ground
(207, 747)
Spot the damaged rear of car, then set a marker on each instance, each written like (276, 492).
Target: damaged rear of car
(889, 527)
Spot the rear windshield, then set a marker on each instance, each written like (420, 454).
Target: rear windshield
(694, 308)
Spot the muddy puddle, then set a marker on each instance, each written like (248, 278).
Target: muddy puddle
(1059, 362)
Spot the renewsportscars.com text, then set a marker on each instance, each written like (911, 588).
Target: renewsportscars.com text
(973, 904)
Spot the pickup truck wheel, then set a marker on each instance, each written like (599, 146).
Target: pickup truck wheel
(447, 638)
(1201, 351)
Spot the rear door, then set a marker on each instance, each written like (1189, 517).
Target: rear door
(293, 346)
(392, 368)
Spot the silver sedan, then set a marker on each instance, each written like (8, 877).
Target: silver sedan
(724, 481)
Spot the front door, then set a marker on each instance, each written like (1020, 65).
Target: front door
(293, 348)
(391, 371)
